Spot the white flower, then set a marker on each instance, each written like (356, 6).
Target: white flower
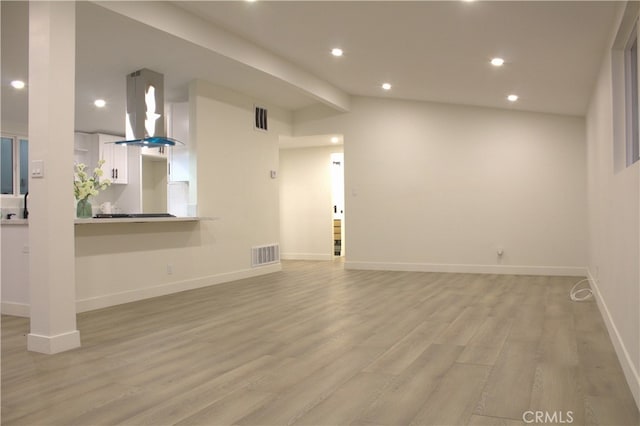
(84, 185)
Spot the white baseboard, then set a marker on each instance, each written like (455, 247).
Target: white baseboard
(306, 256)
(15, 309)
(629, 369)
(53, 344)
(571, 271)
(99, 302)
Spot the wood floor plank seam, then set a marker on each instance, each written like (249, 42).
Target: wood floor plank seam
(316, 344)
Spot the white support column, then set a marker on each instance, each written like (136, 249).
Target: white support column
(51, 211)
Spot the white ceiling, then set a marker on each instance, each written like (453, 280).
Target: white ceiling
(14, 39)
(433, 51)
(436, 51)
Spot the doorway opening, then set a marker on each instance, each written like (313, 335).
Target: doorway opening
(337, 199)
(312, 197)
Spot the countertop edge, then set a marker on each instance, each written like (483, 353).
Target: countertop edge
(14, 222)
(92, 221)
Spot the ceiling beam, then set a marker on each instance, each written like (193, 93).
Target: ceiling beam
(173, 20)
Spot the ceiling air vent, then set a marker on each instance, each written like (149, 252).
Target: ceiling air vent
(260, 118)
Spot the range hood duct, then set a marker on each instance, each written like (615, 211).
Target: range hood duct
(144, 124)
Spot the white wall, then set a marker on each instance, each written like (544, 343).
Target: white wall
(306, 223)
(154, 185)
(614, 231)
(117, 263)
(441, 187)
(234, 164)
(13, 127)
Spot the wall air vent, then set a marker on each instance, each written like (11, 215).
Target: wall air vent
(264, 255)
(260, 122)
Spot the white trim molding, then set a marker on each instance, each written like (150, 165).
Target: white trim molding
(15, 309)
(306, 256)
(53, 344)
(629, 369)
(99, 302)
(570, 271)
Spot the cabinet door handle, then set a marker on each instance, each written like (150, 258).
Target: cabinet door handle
(113, 173)
(116, 173)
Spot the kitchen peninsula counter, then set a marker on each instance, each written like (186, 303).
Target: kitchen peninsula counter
(15, 222)
(101, 221)
(117, 220)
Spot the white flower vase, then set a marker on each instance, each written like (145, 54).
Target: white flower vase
(83, 209)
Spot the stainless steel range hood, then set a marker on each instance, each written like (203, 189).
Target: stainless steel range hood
(145, 110)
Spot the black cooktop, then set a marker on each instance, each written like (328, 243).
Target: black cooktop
(121, 215)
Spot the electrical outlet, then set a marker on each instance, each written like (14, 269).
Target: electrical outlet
(169, 269)
(25, 249)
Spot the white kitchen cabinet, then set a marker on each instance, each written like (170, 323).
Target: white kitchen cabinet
(15, 269)
(178, 128)
(115, 158)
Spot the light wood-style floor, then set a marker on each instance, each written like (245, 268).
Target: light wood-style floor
(318, 345)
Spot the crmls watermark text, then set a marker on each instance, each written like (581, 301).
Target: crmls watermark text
(548, 417)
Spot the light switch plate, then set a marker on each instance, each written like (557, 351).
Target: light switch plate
(37, 169)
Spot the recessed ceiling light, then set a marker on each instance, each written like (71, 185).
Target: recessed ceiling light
(335, 139)
(100, 103)
(386, 86)
(18, 84)
(497, 62)
(512, 98)
(336, 51)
